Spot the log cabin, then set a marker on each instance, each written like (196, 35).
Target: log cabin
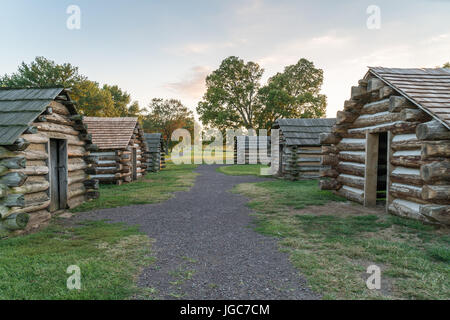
(121, 149)
(252, 150)
(299, 147)
(391, 144)
(44, 157)
(156, 152)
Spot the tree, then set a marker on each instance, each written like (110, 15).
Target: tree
(294, 93)
(166, 116)
(446, 65)
(120, 98)
(89, 97)
(93, 101)
(231, 100)
(43, 73)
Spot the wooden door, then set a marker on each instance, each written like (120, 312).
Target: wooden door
(58, 174)
(134, 163)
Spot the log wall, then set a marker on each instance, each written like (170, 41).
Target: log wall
(116, 166)
(24, 172)
(247, 149)
(418, 177)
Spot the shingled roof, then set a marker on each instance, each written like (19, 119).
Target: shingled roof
(153, 140)
(303, 131)
(111, 133)
(19, 108)
(427, 88)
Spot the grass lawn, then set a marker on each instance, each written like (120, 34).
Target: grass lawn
(243, 170)
(332, 243)
(110, 256)
(154, 187)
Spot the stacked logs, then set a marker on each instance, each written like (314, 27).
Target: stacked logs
(116, 166)
(252, 149)
(418, 165)
(156, 152)
(24, 169)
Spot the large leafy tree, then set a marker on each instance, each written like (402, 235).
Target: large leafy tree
(90, 98)
(446, 65)
(43, 73)
(167, 115)
(294, 93)
(231, 99)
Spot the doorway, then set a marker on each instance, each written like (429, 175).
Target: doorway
(376, 168)
(382, 168)
(134, 163)
(58, 174)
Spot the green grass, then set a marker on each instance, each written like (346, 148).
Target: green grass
(242, 170)
(334, 246)
(110, 256)
(153, 188)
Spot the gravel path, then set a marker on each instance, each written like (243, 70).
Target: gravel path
(205, 246)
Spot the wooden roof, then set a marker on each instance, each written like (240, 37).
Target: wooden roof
(111, 133)
(303, 131)
(19, 108)
(427, 88)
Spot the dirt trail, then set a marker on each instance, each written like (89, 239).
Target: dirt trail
(206, 248)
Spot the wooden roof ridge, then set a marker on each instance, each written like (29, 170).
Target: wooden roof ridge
(427, 88)
(19, 108)
(105, 134)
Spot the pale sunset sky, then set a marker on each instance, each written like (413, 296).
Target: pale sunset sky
(166, 48)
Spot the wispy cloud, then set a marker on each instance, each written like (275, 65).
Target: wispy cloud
(193, 85)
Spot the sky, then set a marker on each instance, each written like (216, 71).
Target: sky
(167, 48)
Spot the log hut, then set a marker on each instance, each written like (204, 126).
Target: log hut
(250, 149)
(299, 148)
(156, 152)
(391, 144)
(121, 149)
(44, 156)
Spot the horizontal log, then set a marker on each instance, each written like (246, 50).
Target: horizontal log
(351, 168)
(19, 145)
(91, 184)
(37, 197)
(78, 166)
(13, 200)
(15, 222)
(436, 171)
(75, 190)
(439, 213)
(375, 119)
(31, 187)
(435, 149)
(13, 163)
(397, 127)
(352, 156)
(375, 107)
(406, 208)
(33, 170)
(59, 119)
(76, 201)
(406, 190)
(406, 176)
(432, 130)
(351, 181)
(352, 145)
(32, 208)
(436, 192)
(352, 194)
(329, 138)
(330, 173)
(77, 176)
(385, 92)
(330, 184)
(346, 117)
(33, 155)
(76, 151)
(46, 126)
(13, 179)
(58, 107)
(327, 160)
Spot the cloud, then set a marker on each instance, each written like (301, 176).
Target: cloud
(193, 86)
